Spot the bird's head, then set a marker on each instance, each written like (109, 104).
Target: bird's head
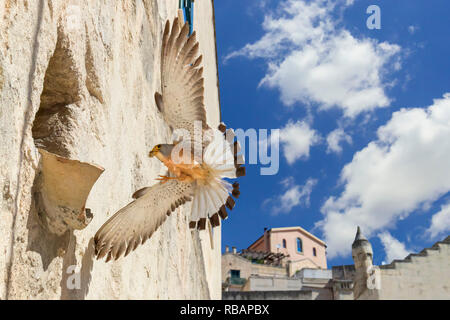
(161, 150)
(154, 151)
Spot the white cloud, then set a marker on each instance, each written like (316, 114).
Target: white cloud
(311, 59)
(440, 222)
(293, 196)
(256, 6)
(393, 247)
(296, 139)
(412, 29)
(405, 168)
(335, 138)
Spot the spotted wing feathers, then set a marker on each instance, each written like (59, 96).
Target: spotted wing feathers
(136, 222)
(182, 98)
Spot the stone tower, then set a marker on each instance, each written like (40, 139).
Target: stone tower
(365, 282)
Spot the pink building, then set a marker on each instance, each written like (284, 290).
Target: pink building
(304, 249)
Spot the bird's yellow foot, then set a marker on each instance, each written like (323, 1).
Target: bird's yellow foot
(164, 179)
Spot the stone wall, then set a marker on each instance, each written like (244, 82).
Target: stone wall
(268, 295)
(296, 266)
(82, 74)
(420, 276)
(342, 282)
(424, 275)
(260, 283)
(232, 261)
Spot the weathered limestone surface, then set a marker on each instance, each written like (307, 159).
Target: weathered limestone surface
(419, 276)
(82, 86)
(423, 275)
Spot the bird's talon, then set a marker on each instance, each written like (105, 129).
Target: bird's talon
(164, 179)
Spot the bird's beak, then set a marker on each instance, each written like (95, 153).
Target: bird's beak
(153, 152)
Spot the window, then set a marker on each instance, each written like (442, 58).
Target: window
(284, 243)
(188, 11)
(235, 273)
(299, 245)
(314, 252)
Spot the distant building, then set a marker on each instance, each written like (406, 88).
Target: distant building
(275, 261)
(258, 273)
(303, 249)
(249, 275)
(238, 268)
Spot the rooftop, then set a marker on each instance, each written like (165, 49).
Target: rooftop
(422, 253)
(298, 228)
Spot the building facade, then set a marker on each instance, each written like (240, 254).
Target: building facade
(302, 248)
(247, 280)
(237, 269)
(281, 260)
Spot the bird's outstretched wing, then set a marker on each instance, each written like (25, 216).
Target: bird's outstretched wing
(136, 222)
(182, 83)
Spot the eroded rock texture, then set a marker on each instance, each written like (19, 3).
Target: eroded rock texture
(77, 79)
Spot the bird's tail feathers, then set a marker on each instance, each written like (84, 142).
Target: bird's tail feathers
(212, 199)
(218, 157)
(207, 200)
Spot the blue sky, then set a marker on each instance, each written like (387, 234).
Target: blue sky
(363, 114)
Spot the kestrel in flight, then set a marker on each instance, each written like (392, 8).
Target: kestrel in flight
(194, 176)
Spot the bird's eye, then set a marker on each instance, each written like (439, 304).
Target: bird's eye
(158, 146)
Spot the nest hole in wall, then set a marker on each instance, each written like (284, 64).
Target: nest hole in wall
(51, 128)
(63, 184)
